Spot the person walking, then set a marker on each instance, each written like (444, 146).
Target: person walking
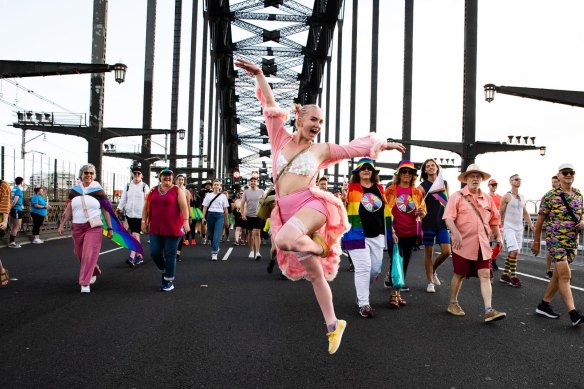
(132, 204)
(365, 241)
(513, 210)
(493, 184)
(87, 209)
(472, 218)
(306, 222)
(215, 216)
(561, 212)
(5, 195)
(249, 213)
(17, 206)
(38, 212)
(407, 206)
(166, 218)
(433, 227)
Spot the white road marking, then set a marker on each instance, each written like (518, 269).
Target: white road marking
(229, 250)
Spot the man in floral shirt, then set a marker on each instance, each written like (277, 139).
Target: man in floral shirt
(561, 211)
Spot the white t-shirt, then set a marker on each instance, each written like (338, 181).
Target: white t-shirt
(93, 208)
(218, 205)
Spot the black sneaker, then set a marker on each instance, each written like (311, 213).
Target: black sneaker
(387, 282)
(545, 309)
(271, 266)
(576, 318)
(366, 311)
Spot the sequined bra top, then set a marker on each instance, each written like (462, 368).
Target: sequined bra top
(303, 165)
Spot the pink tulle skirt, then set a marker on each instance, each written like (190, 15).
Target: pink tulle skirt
(332, 231)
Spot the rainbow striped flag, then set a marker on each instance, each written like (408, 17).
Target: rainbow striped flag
(438, 190)
(120, 235)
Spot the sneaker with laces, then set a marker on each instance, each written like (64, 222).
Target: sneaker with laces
(167, 286)
(186, 243)
(130, 261)
(258, 256)
(435, 279)
(85, 289)
(455, 309)
(576, 318)
(545, 309)
(494, 315)
(193, 242)
(14, 245)
(505, 279)
(37, 241)
(515, 282)
(251, 254)
(430, 288)
(93, 279)
(366, 311)
(138, 260)
(213, 257)
(387, 282)
(334, 337)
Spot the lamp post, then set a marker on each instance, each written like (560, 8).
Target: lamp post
(567, 97)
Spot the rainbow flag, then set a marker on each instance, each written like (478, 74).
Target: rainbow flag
(120, 236)
(438, 190)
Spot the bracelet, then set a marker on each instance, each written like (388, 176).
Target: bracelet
(109, 228)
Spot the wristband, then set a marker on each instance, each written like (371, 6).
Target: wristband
(109, 229)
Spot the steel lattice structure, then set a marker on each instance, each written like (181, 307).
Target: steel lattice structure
(294, 69)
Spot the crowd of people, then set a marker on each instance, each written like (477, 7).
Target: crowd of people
(310, 227)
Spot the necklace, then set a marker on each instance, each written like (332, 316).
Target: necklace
(161, 192)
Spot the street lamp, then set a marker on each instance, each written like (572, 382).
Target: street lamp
(542, 151)
(119, 72)
(489, 92)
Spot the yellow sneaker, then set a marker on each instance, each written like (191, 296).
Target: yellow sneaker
(335, 336)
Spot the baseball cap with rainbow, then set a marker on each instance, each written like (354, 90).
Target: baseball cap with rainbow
(406, 164)
(365, 161)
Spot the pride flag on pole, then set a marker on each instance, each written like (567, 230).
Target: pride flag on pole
(438, 190)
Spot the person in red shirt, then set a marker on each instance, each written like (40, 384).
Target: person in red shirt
(472, 218)
(497, 200)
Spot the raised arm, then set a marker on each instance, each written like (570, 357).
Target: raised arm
(252, 69)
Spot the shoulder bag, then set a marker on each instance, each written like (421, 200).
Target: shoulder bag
(93, 221)
(268, 200)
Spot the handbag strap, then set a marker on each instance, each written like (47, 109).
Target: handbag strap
(570, 211)
(477, 212)
(209, 206)
(84, 207)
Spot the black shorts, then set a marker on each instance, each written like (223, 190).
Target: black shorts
(134, 224)
(254, 223)
(15, 214)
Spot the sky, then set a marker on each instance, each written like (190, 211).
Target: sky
(529, 43)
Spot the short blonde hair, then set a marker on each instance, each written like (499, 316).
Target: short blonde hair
(302, 110)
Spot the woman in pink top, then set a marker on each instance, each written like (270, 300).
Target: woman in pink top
(307, 223)
(166, 213)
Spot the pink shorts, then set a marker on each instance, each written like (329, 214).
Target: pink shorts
(290, 204)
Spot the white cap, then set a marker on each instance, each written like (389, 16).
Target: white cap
(566, 166)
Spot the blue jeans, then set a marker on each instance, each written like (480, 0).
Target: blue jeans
(163, 252)
(215, 221)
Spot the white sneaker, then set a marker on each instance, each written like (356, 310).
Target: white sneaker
(85, 289)
(93, 279)
(258, 256)
(37, 241)
(430, 288)
(14, 245)
(213, 257)
(435, 279)
(251, 254)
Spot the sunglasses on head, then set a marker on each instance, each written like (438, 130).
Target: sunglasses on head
(568, 172)
(408, 171)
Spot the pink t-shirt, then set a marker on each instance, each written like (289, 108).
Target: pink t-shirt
(404, 213)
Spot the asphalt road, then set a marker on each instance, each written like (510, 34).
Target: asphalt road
(229, 324)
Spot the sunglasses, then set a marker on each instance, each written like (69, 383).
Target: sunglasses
(89, 173)
(494, 184)
(407, 171)
(568, 172)
(367, 168)
(136, 173)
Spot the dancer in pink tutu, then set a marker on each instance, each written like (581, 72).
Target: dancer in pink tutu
(307, 223)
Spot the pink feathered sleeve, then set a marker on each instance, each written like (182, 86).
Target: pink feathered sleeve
(367, 146)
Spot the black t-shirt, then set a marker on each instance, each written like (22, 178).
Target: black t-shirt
(435, 210)
(371, 212)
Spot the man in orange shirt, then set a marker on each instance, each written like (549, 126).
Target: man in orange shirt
(472, 217)
(493, 184)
